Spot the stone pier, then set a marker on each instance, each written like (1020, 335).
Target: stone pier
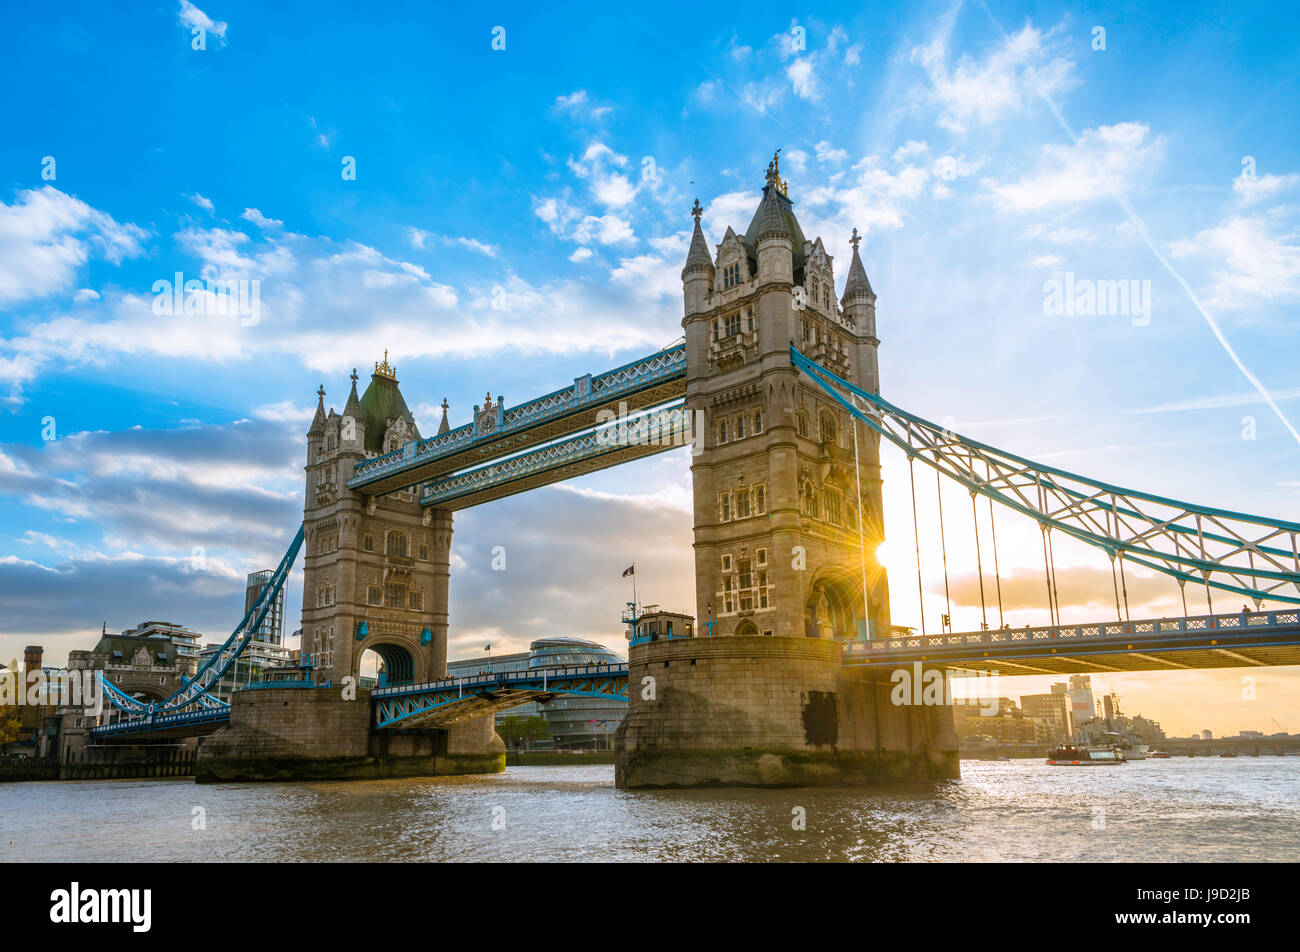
(771, 712)
(315, 734)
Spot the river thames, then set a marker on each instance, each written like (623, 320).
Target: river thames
(1179, 810)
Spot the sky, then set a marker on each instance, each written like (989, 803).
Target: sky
(500, 198)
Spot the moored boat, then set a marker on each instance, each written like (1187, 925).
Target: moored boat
(1079, 755)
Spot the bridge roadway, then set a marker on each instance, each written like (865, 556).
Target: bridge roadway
(432, 704)
(1241, 639)
(644, 383)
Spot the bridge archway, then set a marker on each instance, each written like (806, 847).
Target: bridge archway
(388, 662)
(835, 607)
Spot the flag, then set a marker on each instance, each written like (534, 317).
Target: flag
(630, 570)
(488, 646)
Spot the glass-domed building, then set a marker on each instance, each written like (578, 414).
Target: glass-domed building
(575, 722)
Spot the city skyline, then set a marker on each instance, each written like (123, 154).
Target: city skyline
(514, 238)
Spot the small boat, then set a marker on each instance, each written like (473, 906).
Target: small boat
(1070, 755)
(1158, 755)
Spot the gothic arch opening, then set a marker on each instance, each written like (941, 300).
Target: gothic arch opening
(746, 629)
(385, 664)
(835, 607)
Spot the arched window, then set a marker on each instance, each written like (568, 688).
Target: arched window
(395, 543)
(827, 423)
(801, 422)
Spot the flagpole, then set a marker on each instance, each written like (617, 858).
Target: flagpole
(635, 609)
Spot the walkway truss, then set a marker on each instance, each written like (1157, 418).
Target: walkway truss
(1250, 556)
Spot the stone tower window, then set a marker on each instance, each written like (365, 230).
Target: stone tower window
(424, 553)
(368, 543)
(726, 563)
(731, 276)
(395, 544)
(742, 504)
(758, 421)
(374, 595)
(722, 431)
(394, 596)
(740, 427)
(827, 423)
(834, 508)
(732, 327)
(724, 507)
(801, 423)
(760, 507)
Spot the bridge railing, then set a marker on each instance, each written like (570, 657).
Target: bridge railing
(504, 678)
(159, 722)
(585, 391)
(1150, 629)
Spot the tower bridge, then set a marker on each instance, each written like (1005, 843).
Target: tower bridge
(776, 388)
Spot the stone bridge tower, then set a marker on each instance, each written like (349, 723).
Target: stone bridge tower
(376, 569)
(787, 521)
(786, 526)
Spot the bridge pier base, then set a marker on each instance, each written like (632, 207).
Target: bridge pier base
(316, 734)
(771, 712)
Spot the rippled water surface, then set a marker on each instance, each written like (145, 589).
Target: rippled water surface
(1204, 809)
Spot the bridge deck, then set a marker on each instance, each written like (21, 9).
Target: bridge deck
(1244, 639)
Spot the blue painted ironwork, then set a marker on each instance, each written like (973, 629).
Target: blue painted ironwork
(587, 391)
(1218, 548)
(659, 430)
(162, 722)
(1221, 633)
(194, 693)
(432, 701)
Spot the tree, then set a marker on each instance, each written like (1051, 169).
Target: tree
(11, 723)
(523, 731)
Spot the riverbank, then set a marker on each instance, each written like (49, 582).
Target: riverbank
(559, 758)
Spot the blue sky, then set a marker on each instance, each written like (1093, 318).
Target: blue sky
(519, 217)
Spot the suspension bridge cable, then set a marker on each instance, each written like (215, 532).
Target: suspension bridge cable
(1200, 538)
(1124, 584)
(993, 527)
(1114, 581)
(979, 564)
(947, 601)
(1047, 572)
(1056, 592)
(916, 535)
(862, 542)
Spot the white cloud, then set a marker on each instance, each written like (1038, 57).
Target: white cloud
(1257, 188)
(579, 104)
(912, 149)
(1256, 261)
(260, 220)
(581, 254)
(803, 79)
(828, 153)
(46, 237)
(569, 222)
(1002, 84)
(199, 200)
(1106, 160)
(191, 16)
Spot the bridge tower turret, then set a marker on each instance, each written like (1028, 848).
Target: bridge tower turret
(780, 547)
(375, 568)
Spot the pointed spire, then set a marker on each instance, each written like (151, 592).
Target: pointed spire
(698, 258)
(444, 426)
(318, 421)
(857, 282)
(353, 407)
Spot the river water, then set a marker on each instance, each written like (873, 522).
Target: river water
(1202, 809)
